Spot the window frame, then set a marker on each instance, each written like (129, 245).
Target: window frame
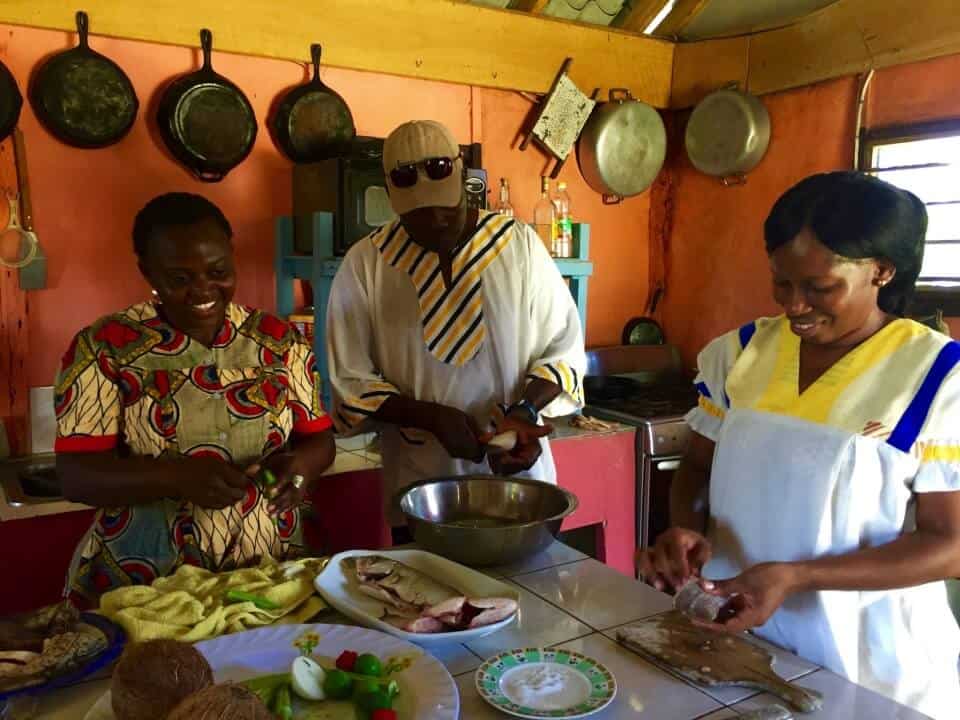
(927, 301)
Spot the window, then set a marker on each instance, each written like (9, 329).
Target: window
(925, 159)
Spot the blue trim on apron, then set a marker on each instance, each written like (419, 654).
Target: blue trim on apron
(704, 390)
(905, 434)
(746, 332)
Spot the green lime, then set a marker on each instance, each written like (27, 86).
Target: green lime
(337, 685)
(365, 687)
(379, 700)
(368, 664)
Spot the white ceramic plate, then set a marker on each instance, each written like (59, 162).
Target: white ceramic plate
(342, 593)
(426, 688)
(596, 685)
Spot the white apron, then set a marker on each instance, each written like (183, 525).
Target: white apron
(784, 489)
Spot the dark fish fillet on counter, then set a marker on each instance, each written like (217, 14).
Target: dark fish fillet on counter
(417, 603)
(41, 644)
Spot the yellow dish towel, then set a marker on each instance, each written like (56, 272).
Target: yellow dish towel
(190, 605)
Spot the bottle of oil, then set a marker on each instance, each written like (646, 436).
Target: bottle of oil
(545, 215)
(503, 206)
(563, 236)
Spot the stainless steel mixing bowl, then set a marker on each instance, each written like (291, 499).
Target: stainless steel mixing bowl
(485, 520)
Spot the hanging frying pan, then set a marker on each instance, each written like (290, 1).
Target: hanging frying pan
(10, 102)
(206, 121)
(622, 147)
(728, 134)
(313, 122)
(83, 98)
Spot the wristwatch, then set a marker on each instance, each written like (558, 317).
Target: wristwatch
(527, 408)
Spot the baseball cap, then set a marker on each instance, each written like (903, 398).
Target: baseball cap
(412, 143)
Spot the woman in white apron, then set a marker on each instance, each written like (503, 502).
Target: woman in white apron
(820, 484)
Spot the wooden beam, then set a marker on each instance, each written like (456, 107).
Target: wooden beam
(701, 67)
(682, 14)
(845, 38)
(431, 39)
(535, 7)
(852, 36)
(642, 14)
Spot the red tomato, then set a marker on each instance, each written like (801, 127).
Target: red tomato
(347, 660)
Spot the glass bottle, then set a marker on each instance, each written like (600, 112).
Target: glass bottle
(563, 236)
(544, 215)
(503, 206)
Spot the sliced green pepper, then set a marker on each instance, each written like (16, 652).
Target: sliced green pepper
(235, 596)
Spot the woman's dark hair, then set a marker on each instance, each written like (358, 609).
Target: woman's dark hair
(170, 210)
(857, 216)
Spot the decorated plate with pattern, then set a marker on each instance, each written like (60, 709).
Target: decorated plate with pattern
(545, 683)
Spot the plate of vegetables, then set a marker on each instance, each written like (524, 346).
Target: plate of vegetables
(329, 672)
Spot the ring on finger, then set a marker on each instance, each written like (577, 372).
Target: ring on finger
(298, 481)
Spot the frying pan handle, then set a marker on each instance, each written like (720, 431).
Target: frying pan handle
(206, 43)
(612, 199)
(210, 176)
(83, 27)
(731, 180)
(316, 50)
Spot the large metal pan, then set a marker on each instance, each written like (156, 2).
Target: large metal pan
(83, 98)
(10, 102)
(622, 147)
(728, 134)
(206, 121)
(313, 122)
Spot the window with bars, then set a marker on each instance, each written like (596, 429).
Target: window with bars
(925, 159)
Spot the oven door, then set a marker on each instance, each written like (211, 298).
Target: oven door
(653, 495)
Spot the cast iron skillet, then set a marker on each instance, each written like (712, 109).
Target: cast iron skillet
(83, 98)
(313, 122)
(10, 102)
(206, 121)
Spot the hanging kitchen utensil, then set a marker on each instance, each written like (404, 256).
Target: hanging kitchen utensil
(33, 276)
(206, 121)
(18, 246)
(622, 147)
(560, 118)
(10, 102)
(83, 98)
(728, 134)
(642, 331)
(313, 122)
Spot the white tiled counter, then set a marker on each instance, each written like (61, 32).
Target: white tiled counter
(569, 600)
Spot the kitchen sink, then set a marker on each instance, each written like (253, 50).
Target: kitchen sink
(40, 481)
(31, 483)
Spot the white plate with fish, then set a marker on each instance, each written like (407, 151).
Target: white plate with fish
(418, 596)
(426, 688)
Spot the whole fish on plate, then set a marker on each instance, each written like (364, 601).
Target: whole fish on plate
(418, 603)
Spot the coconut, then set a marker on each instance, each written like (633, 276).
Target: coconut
(222, 702)
(154, 676)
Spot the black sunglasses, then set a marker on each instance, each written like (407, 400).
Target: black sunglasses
(437, 168)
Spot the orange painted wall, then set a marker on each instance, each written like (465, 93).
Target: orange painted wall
(84, 201)
(718, 276)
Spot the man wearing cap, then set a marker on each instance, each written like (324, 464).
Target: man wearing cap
(449, 323)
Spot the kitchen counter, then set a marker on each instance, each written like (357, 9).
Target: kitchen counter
(569, 600)
(353, 454)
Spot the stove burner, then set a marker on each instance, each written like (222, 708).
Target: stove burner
(641, 400)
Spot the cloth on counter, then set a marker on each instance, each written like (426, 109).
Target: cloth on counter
(191, 605)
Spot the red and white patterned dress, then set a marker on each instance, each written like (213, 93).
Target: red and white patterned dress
(131, 382)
